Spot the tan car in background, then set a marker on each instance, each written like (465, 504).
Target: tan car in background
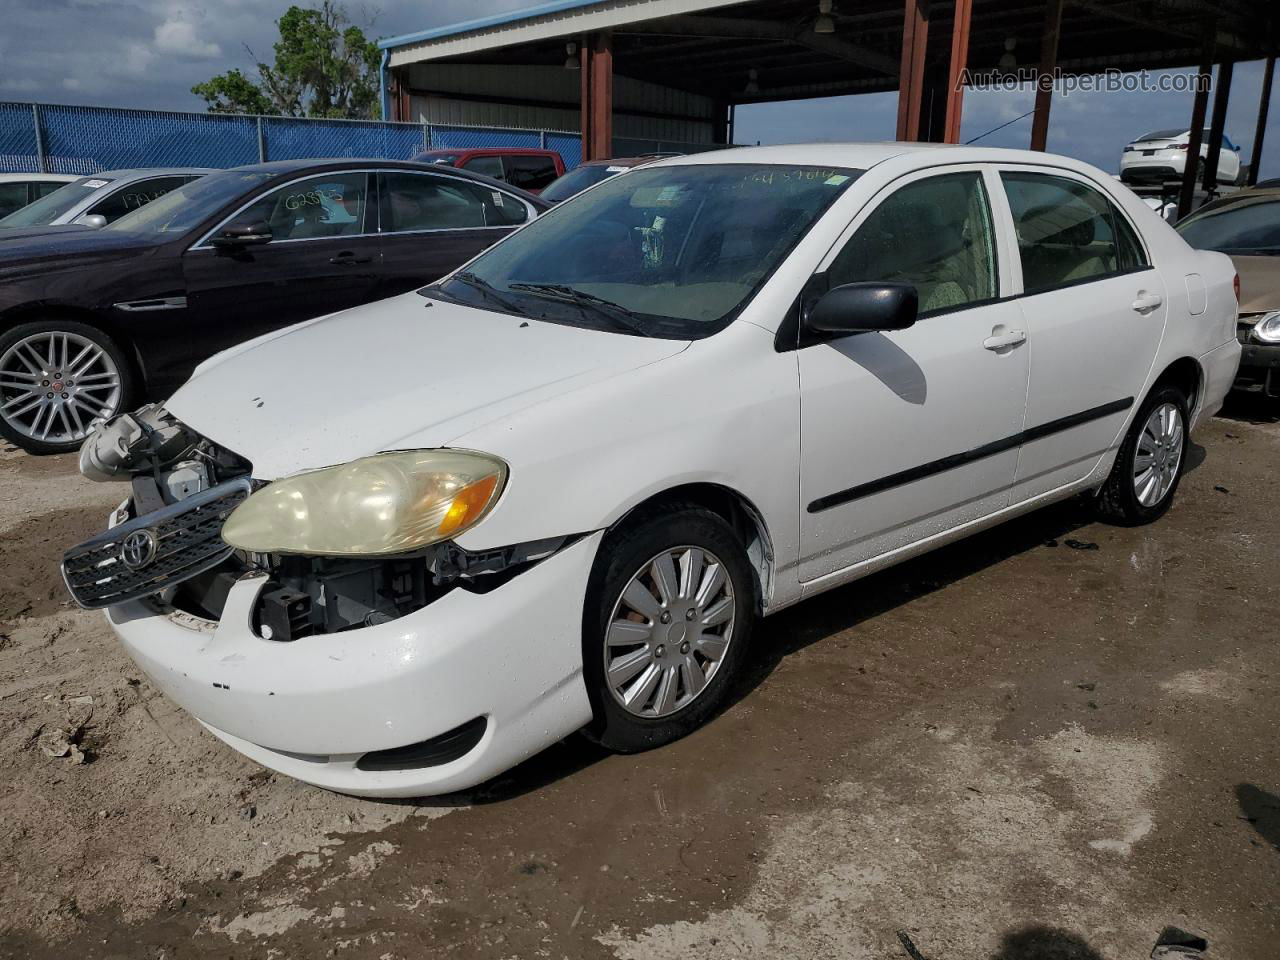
(1246, 226)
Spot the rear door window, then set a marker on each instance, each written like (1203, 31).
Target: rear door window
(489, 166)
(42, 188)
(423, 201)
(530, 172)
(13, 196)
(133, 196)
(1068, 232)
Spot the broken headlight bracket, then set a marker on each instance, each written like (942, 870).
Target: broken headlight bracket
(319, 595)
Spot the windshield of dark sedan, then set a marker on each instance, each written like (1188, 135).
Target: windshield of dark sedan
(575, 181)
(661, 251)
(1248, 226)
(189, 205)
(50, 207)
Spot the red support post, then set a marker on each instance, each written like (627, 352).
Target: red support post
(585, 86)
(1045, 74)
(602, 97)
(955, 75)
(915, 40)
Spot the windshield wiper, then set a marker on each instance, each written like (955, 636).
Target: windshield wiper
(488, 289)
(620, 315)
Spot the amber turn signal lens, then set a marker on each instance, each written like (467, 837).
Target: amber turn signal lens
(469, 502)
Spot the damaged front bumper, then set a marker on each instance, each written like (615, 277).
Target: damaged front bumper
(313, 708)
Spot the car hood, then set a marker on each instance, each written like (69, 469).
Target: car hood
(69, 246)
(404, 373)
(1259, 283)
(10, 234)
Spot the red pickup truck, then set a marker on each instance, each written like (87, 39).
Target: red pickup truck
(528, 168)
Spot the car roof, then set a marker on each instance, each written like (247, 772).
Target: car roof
(45, 177)
(137, 173)
(626, 161)
(338, 164)
(863, 156)
(516, 151)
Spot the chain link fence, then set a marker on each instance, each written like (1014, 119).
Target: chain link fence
(84, 140)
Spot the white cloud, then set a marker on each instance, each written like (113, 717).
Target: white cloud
(179, 37)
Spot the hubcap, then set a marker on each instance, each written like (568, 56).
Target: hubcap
(1158, 455)
(669, 631)
(53, 385)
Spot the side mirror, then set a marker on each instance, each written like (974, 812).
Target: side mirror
(861, 307)
(243, 234)
(95, 220)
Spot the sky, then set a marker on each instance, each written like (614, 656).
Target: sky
(148, 53)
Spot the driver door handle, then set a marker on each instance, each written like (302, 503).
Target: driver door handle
(1147, 302)
(346, 259)
(1010, 338)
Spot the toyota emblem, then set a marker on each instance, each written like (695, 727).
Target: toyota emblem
(138, 549)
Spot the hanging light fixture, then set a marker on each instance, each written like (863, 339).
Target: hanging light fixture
(752, 86)
(1007, 60)
(825, 22)
(571, 58)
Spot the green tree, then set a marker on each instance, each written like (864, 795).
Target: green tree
(324, 67)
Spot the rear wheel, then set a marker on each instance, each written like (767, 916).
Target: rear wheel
(56, 378)
(668, 617)
(1149, 464)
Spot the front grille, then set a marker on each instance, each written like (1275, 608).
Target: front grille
(172, 545)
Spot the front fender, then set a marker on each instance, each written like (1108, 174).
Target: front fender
(726, 412)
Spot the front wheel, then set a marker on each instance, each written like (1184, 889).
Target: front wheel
(56, 378)
(1148, 467)
(667, 621)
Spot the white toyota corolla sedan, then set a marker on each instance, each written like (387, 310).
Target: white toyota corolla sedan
(396, 550)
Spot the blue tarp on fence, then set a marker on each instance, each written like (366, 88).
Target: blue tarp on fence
(83, 140)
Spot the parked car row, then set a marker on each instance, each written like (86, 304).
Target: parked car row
(17, 190)
(95, 321)
(97, 200)
(402, 547)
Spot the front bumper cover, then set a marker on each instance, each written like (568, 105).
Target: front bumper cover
(312, 708)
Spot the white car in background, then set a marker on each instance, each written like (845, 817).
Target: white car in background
(1162, 155)
(396, 550)
(19, 189)
(100, 199)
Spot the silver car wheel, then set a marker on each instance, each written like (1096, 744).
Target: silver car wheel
(669, 632)
(54, 384)
(1158, 455)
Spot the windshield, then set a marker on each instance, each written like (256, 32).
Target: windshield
(575, 181)
(191, 204)
(664, 251)
(1164, 134)
(1247, 227)
(49, 208)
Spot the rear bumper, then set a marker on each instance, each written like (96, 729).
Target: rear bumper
(1151, 169)
(1219, 366)
(311, 708)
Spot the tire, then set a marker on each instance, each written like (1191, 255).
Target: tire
(1121, 501)
(31, 357)
(674, 649)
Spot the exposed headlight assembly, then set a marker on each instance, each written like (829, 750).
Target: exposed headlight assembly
(381, 505)
(1267, 330)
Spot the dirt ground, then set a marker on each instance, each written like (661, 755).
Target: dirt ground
(1045, 743)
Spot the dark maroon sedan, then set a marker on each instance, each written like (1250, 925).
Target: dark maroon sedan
(92, 321)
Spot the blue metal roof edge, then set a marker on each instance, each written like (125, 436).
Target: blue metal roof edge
(497, 20)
